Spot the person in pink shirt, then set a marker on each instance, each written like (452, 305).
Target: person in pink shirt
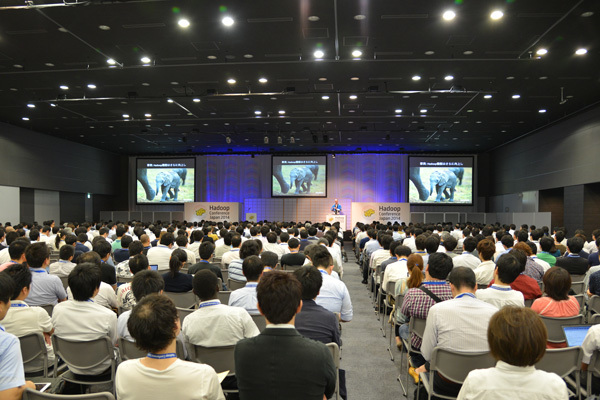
(16, 251)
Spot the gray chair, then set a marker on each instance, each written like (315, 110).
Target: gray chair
(260, 321)
(223, 296)
(129, 350)
(65, 281)
(217, 260)
(593, 306)
(220, 358)
(49, 308)
(578, 287)
(581, 300)
(563, 362)
(455, 366)
(595, 319)
(577, 278)
(33, 348)
(292, 268)
(554, 327)
(593, 369)
(335, 353)
(35, 395)
(182, 300)
(232, 284)
(528, 302)
(416, 326)
(225, 273)
(84, 354)
(184, 312)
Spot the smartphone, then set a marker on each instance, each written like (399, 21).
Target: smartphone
(41, 387)
(154, 267)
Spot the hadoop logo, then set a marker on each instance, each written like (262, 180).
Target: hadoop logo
(200, 212)
(330, 219)
(369, 212)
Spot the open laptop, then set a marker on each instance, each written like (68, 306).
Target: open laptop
(575, 334)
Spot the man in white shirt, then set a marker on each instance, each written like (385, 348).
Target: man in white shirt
(271, 245)
(334, 295)
(234, 253)
(467, 259)
(246, 297)
(63, 267)
(410, 239)
(161, 254)
(397, 270)
(81, 319)
(195, 246)
(182, 243)
(500, 294)
(484, 273)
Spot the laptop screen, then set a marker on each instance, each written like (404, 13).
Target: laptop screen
(154, 267)
(575, 334)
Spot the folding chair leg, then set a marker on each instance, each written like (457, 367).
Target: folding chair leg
(392, 326)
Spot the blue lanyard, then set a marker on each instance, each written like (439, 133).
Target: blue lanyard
(323, 271)
(161, 356)
(465, 294)
(433, 282)
(38, 271)
(253, 284)
(2, 328)
(18, 305)
(210, 303)
(573, 255)
(204, 261)
(501, 288)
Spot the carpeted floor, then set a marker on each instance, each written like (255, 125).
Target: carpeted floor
(370, 373)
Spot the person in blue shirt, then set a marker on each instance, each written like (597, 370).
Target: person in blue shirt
(336, 208)
(245, 297)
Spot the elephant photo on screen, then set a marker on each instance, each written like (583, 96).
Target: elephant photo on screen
(415, 177)
(278, 174)
(169, 183)
(182, 172)
(459, 172)
(442, 181)
(142, 177)
(302, 177)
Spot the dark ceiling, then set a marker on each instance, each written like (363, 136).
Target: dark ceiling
(47, 45)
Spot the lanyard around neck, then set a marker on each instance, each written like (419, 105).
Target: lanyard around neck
(161, 356)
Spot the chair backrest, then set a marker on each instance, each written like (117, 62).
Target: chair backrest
(232, 284)
(84, 354)
(335, 353)
(184, 312)
(217, 260)
(581, 300)
(554, 327)
(49, 308)
(594, 304)
(457, 365)
(260, 321)
(578, 287)
(129, 350)
(577, 278)
(33, 347)
(220, 358)
(528, 302)
(287, 267)
(225, 273)
(595, 319)
(390, 289)
(182, 300)
(561, 361)
(65, 281)
(30, 394)
(417, 326)
(223, 296)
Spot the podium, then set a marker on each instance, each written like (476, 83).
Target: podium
(332, 218)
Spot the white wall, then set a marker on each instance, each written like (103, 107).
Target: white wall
(10, 209)
(46, 205)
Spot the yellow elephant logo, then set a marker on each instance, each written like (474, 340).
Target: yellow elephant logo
(369, 212)
(200, 212)
(330, 219)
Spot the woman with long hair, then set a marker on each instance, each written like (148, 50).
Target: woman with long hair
(175, 281)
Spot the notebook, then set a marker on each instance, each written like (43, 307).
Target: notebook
(575, 334)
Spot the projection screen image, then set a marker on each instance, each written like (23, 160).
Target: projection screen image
(440, 180)
(299, 176)
(165, 181)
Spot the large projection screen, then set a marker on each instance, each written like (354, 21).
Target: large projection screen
(299, 176)
(165, 180)
(440, 180)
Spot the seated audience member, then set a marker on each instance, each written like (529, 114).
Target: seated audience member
(125, 297)
(557, 303)
(206, 250)
(517, 339)
(334, 295)
(233, 253)
(460, 324)
(109, 273)
(271, 245)
(63, 267)
(71, 240)
(121, 254)
(500, 294)
(303, 369)
(154, 325)
(144, 282)
(594, 258)
(225, 246)
(182, 243)
(176, 281)
(81, 245)
(397, 270)
(484, 273)
(269, 259)
(467, 258)
(532, 269)
(546, 245)
(22, 320)
(82, 319)
(45, 288)
(573, 262)
(249, 248)
(294, 257)
(507, 243)
(16, 251)
(391, 256)
(161, 253)
(215, 324)
(106, 296)
(246, 297)
(524, 284)
(414, 265)
(195, 241)
(449, 244)
(123, 271)
(12, 376)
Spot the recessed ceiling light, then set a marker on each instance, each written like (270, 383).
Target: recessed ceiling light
(356, 53)
(487, 96)
(423, 111)
(31, 105)
(329, 122)
(262, 80)
(91, 86)
(448, 77)
(449, 15)
(145, 60)
(227, 21)
(273, 98)
(196, 100)
(147, 115)
(350, 111)
(52, 105)
(587, 14)
(354, 78)
(359, 17)
(543, 110)
(543, 77)
(104, 27)
(257, 112)
(350, 122)
(174, 83)
(63, 30)
(145, 84)
(184, 23)
(319, 54)
(516, 96)
(325, 97)
(17, 66)
(581, 51)
(541, 52)
(416, 78)
(111, 61)
(211, 57)
(322, 79)
(467, 52)
(510, 78)
(313, 18)
(281, 112)
(169, 100)
(248, 56)
(398, 111)
(477, 122)
(49, 65)
(469, 110)
(353, 97)
(496, 14)
(231, 81)
(64, 87)
(125, 115)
